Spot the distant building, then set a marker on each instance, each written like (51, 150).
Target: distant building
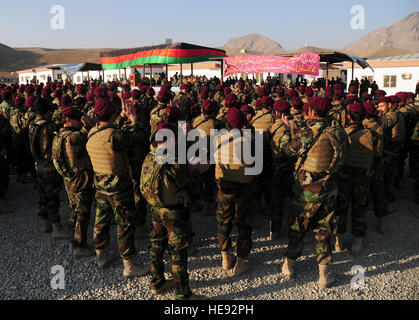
(392, 74)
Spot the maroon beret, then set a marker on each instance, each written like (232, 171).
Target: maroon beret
(395, 99)
(356, 107)
(282, 106)
(350, 99)
(46, 91)
(219, 87)
(402, 96)
(258, 102)
(227, 91)
(353, 89)
(164, 95)
(261, 91)
(383, 99)
(30, 101)
(174, 113)
(184, 86)
(6, 94)
(292, 93)
(248, 109)
(81, 88)
(308, 91)
(112, 86)
(338, 86)
(301, 89)
(380, 93)
(235, 118)
(150, 91)
(329, 92)
(366, 95)
(338, 93)
(411, 95)
(204, 94)
(58, 93)
(319, 103)
(209, 106)
(195, 110)
(297, 103)
(305, 107)
(90, 97)
(267, 101)
(240, 85)
(126, 95)
(135, 93)
(66, 100)
(21, 88)
(104, 107)
(166, 86)
(19, 101)
(280, 91)
(72, 113)
(369, 109)
(231, 100)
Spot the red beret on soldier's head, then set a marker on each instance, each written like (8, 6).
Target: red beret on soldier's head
(338, 86)
(112, 86)
(236, 118)
(81, 88)
(227, 91)
(267, 102)
(308, 92)
(292, 93)
(231, 100)
(150, 91)
(135, 93)
(366, 96)
(219, 87)
(58, 93)
(164, 95)
(248, 109)
(261, 91)
(30, 101)
(338, 94)
(100, 92)
(411, 95)
(72, 113)
(209, 106)
(353, 89)
(382, 99)
(174, 114)
(90, 97)
(350, 99)
(369, 109)
(297, 103)
(301, 89)
(402, 96)
(104, 107)
(66, 100)
(395, 99)
(204, 94)
(19, 101)
(240, 85)
(126, 95)
(282, 106)
(321, 104)
(184, 86)
(258, 102)
(380, 93)
(280, 91)
(195, 110)
(356, 107)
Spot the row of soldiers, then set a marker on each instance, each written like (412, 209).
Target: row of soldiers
(324, 149)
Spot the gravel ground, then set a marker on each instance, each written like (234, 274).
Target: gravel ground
(390, 261)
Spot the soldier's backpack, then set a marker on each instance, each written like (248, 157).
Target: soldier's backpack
(33, 136)
(58, 157)
(152, 174)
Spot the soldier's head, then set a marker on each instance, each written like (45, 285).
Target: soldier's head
(296, 104)
(235, 119)
(248, 112)
(72, 117)
(410, 97)
(231, 100)
(394, 102)
(338, 95)
(164, 96)
(105, 110)
(383, 104)
(281, 107)
(6, 95)
(318, 107)
(370, 111)
(42, 107)
(208, 107)
(403, 97)
(355, 112)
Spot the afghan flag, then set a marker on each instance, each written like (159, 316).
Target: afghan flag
(175, 53)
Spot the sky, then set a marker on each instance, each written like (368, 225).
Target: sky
(124, 24)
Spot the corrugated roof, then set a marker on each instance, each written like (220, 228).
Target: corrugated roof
(408, 56)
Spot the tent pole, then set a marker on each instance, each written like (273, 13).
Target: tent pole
(352, 70)
(327, 73)
(222, 71)
(181, 77)
(143, 70)
(151, 75)
(103, 76)
(167, 72)
(191, 68)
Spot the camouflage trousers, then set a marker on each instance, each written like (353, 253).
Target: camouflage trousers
(280, 185)
(170, 231)
(80, 193)
(119, 206)
(353, 191)
(234, 199)
(49, 184)
(377, 192)
(312, 205)
(4, 175)
(140, 211)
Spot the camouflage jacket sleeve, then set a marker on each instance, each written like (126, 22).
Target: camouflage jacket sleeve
(185, 179)
(415, 135)
(299, 145)
(127, 137)
(389, 120)
(45, 137)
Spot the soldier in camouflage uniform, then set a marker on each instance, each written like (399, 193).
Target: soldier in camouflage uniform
(49, 182)
(158, 114)
(72, 162)
(168, 187)
(5, 148)
(355, 176)
(320, 152)
(57, 116)
(235, 190)
(296, 113)
(338, 111)
(184, 102)
(414, 159)
(107, 148)
(219, 95)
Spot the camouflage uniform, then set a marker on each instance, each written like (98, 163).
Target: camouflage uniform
(49, 182)
(171, 222)
(184, 103)
(338, 113)
(78, 178)
(320, 152)
(157, 115)
(107, 148)
(355, 178)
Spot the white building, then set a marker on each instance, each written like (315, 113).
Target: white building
(43, 74)
(392, 74)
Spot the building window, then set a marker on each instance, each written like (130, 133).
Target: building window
(389, 81)
(78, 79)
(369, 78)
(59, 76)
(115, 76)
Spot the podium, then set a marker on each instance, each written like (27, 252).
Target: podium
(134, 79)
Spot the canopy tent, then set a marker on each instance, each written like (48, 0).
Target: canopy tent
(175, 53)
(72, 69)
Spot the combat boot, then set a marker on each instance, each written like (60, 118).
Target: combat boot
(288, 268)
(46, 225)
(325, 277)
(78, 252)
(168, 284)
(381, 224)
(357, 246)
(228, 260)
(131, 269)
(58, 232)
(103, 257)
(241, 267)
(141, 232)
(338, 243)
(3, 208)
(194, 297)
